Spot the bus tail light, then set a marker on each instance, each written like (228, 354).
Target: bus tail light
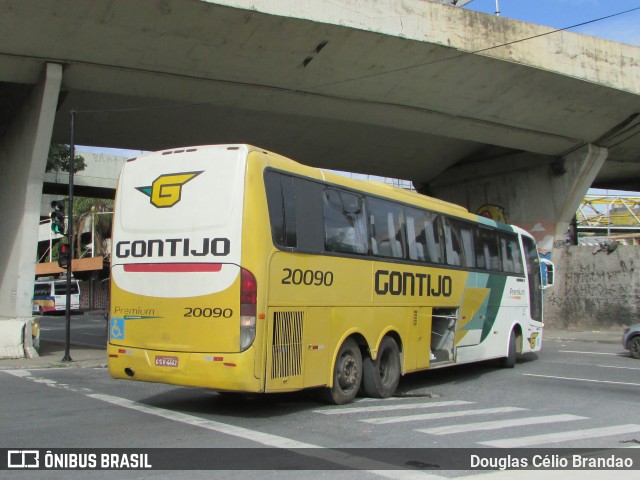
(248, 300)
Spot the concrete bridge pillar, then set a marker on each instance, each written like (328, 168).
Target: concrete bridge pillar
(24, 145)
(538, 193)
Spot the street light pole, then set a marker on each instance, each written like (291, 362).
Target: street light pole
(72, 154)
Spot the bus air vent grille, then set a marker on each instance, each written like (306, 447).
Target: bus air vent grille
(287, 344)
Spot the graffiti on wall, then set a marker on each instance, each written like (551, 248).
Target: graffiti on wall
(603, 291)
(492, 212)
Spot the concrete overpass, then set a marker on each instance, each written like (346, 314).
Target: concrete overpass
(473, 108)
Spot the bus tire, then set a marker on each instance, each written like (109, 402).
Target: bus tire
(510, 360)
(381, 376)
(347, 374)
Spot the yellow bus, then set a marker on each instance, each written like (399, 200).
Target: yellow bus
(239, 270)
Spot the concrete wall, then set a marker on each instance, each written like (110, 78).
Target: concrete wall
(594, 291)
(538, 193)
(24, 144)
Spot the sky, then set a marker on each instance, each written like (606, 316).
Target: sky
(565, 13)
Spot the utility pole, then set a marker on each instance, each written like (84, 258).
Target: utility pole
(497, 8)
(72, 154)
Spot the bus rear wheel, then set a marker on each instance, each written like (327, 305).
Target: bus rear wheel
(381, 376)
(347, 374)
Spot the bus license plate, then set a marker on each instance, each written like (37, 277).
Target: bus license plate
(164, 361)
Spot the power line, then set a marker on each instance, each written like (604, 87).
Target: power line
(482, 50)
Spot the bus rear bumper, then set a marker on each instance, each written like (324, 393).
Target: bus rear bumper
(225, 371)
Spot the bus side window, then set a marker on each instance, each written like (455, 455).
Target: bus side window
(416, 248)
(309, 213)
(281, 209)
(488, 253)
(511, 255)
(434, 245)
(459, 243)
(386, 225)
(423, 242)
(344, 222)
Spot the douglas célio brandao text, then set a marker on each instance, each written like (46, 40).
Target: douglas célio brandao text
(551, 461)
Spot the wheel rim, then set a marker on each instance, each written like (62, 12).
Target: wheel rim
(348, 372)
(635, 346)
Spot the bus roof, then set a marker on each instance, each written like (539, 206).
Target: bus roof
(278, 161)
(368, 186)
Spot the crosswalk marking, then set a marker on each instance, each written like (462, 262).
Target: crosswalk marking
(488, 425)
(562, 436)
(388, 408)
(433, 416)
(498, 424)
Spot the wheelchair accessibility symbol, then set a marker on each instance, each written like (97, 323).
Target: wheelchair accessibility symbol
(116, 330)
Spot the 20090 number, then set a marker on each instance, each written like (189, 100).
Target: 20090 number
(307, 277)
(208, 312)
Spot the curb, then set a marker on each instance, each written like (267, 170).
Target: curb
(51, 354)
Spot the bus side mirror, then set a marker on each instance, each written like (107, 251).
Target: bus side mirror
(548, 277)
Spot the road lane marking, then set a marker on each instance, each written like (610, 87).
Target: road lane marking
(439, 415)
(19, 373)
(590, 353)
(387, 408)
(582, 379)
(622, 368)
(563, 436)
(240, 432)
(498, 424)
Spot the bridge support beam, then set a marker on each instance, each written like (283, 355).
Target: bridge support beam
(538, 193)
(24, 146)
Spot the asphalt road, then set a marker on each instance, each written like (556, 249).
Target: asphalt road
(86, 330)
(571, 395)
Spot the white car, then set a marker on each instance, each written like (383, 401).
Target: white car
(631, 340)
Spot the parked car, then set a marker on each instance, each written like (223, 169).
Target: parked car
(631, 340)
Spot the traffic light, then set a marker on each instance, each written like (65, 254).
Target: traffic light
(57, 217)
(64, 256)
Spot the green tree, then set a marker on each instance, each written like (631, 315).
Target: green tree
(91, 216)
(58, 159)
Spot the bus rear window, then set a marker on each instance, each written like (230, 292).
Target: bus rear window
(60, 288)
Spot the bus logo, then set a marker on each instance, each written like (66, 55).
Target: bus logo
(166, 190)
(23, 459)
